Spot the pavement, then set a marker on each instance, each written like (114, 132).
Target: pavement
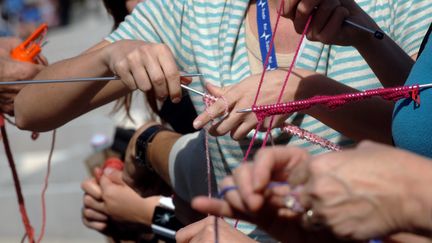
(64, 196)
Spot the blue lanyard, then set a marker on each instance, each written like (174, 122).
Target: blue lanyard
(265, 33)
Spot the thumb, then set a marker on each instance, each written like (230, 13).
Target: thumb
(97, 172)
(115, 176)
(214, 90)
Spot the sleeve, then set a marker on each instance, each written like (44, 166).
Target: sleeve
(151, 21)
(409, 23)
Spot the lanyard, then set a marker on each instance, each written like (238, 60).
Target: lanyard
(265, 33)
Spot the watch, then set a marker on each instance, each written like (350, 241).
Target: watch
(164, 222)
(142, 143)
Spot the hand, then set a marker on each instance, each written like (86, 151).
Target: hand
(240, 96)
(146, 66)
(203, 231)
(253, 201)
(9, 43)
(11, 70)
(94, 212)
(327, 24)
(367, 192)
(122, 203)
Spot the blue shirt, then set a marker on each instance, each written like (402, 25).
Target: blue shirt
(411, 125)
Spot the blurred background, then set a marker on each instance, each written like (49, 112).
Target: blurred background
(75, 25)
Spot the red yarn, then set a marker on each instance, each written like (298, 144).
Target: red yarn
(265, 66)
(287, 77)
(45, 187)
(24, 216)
(333, 102)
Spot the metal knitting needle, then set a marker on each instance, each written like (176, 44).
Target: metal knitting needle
(98, 79)
(422, 86)
(376, 33)
(75, 80)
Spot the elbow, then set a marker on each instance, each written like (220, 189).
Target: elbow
(21, 120)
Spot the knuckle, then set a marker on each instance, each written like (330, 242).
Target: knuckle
(143, 85)
(158, 80)
(87, 200)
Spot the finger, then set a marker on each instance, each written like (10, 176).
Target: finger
(140, 75)
(92, 188)
(303, 12)
(98, 226)
(243, 179)
(322, 15)
(90, 202)
(97, 173)
(275, 164)
(222, 127)
(8, 109)
(334, 25)
(104, 183)
(42, 60)
(214, 111)
(212, 206)
(240, 132)
(7, 98)
(115, 176)
(156, 75)
(187, 233)
(122, 70)
(12, 88)
(93, 215)
(172, 74)
(232, 196)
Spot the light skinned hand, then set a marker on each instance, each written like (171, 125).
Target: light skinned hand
(328, 25)
(122, 203)
(11, 70)
(93, 213)
(241, 95)
(146, 66)
(367, 192)
(203, 232)
(253, 201)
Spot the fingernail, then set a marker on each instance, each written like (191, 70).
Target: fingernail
(197, 124)
(108, 171)
(176, 100)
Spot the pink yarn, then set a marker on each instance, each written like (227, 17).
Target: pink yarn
(333, 102)
(308, 136)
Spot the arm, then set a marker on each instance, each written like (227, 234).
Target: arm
(140, 65)
(34, 105)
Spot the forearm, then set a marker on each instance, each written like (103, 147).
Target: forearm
(44, 107)
(159, 151)
(387, 60)
(367, 119)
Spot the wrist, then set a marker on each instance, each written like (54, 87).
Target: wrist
(145, 214)
(419, 204)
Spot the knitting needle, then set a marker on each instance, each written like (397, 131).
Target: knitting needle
(376, 33)
(422, 86)
(98, 79)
